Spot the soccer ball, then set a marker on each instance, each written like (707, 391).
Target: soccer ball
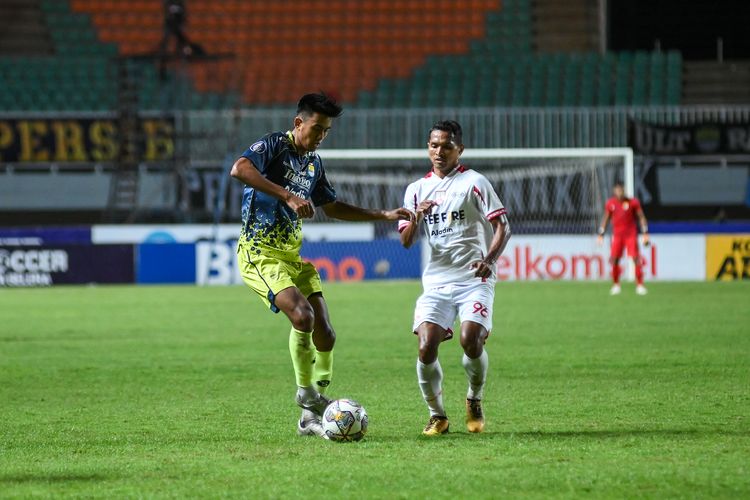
(345, 420)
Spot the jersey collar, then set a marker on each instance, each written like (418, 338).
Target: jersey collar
(290, 138)
(292, 145)
(459, 169)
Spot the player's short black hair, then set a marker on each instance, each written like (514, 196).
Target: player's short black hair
(618, 184)
(319, 103)
(452, 127)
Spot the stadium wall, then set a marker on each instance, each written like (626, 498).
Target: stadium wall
(205, 255)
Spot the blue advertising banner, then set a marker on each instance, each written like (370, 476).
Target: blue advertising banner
(209, 263)
(22, 266)
(34, 236)
(363, 260)
(165, 263)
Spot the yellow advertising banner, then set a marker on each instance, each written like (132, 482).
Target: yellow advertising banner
(728, 257)
(37, 140)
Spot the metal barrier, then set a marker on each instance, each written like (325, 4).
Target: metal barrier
(208, 136)
(483, 127)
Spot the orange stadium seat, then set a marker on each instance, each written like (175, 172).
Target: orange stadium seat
(392, 49)
(337, 43)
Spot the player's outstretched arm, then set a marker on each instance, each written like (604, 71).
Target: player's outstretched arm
(602, 228)
(483, 268)
(644, 225)
(409, 233)
(244, 170)
(345, 211)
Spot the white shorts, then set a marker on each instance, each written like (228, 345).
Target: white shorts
(471, 302)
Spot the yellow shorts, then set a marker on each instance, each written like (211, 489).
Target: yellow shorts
(267, 276)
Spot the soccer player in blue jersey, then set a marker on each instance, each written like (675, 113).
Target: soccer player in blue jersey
(284, 182)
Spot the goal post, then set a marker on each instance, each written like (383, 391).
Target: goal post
(553, 191)
(626, 154)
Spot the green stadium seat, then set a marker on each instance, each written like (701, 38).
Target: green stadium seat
(54, 6)
(365, 99)
(519, 92)
(499, 69)
(468, 96)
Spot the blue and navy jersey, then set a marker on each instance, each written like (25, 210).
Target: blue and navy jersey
(269, 226)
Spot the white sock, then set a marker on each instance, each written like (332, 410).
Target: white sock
(430, 379)
(476, 372)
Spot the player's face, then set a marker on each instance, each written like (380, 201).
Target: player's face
(443, 150)
(618, 192)
(310, 130)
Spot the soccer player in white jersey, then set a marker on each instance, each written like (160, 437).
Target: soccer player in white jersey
(465, 224)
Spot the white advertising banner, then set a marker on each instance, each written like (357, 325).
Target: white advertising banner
(216, 264)
(191, 233)
(670, 257)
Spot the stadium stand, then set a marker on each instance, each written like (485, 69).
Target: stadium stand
(387, 53)
(22, 29)
(716, 82)
(566, 25)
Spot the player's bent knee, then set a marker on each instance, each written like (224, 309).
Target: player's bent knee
(473, 349)
(428, 350)
(473, 343)
(427, 357)
(302, 317)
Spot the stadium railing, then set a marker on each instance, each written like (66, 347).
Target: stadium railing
(484, 127)
(406, 128)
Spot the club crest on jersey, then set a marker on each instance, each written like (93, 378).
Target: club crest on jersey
(440, 196)
(311, 169)
(259, 147)
(625, 205)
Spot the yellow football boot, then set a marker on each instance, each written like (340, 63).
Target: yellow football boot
(436, 426)
(474, 415)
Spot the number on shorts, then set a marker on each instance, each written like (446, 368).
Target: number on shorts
(481, 309)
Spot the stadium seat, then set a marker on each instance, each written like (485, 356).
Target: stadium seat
(388, 54)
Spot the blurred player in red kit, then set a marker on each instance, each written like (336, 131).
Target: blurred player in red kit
(624, 211)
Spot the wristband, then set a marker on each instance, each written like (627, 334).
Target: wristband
(601, 231)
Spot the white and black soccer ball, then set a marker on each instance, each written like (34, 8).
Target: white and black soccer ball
(345, 420)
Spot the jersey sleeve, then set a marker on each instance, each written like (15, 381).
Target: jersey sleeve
(323, 192)
(609, 207)
(262, 152)
(487, 200)
(410, 203)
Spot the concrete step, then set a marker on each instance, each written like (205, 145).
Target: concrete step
(713, 82)
(561, 42)
(565, 25)
(23, 30)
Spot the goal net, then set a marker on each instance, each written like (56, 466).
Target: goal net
(546, 191)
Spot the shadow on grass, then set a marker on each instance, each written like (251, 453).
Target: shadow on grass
(617, 434)
(52, 477)
(463, 435)
(62, 337)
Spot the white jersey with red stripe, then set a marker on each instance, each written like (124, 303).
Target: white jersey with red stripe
(458, 229)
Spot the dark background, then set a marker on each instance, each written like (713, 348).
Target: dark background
(691, 26)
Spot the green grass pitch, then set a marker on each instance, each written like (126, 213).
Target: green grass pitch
(187, 392)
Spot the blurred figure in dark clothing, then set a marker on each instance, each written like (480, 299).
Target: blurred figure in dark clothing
(175, 15)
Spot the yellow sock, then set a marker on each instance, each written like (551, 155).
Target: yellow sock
(303, 356)
(323, 370)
